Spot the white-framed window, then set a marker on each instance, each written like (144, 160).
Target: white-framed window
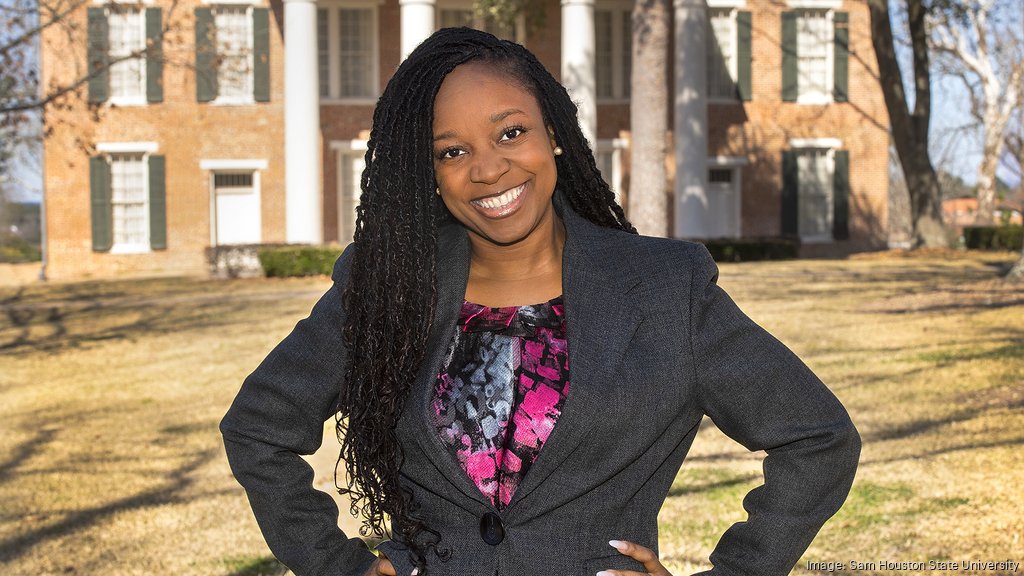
(127, 35)
(613, 60)
(723, 43)
(234, 46)
(452, 13)
(815, 193)
(815, 55)
(129, 200)
(348, 50)
(609, 162)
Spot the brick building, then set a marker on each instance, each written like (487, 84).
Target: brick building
(185, 147)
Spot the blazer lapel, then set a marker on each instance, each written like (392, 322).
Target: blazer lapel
(600, 322)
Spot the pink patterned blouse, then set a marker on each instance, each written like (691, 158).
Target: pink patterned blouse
(501, 390)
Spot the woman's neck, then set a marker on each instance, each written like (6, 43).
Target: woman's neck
(523, 273)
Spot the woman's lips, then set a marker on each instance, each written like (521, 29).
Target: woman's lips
(501, 205)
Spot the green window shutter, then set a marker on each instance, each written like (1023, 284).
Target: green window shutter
(99, 193)
(157, 203)
(261, 54)
(790, 193)
(206, 56)
(99, 54)
(744, 55)
(841, 91)
(790, 88)
(841, 196)
(154, 56)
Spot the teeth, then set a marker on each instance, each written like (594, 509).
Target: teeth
(498, 202)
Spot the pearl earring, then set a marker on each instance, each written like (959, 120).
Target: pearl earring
(437, 191)
(557, 150)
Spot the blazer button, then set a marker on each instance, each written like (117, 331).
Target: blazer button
(491, 529)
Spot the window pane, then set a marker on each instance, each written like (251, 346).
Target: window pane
(323, 57)
(720, 175)
(815, 193)
(126, 37)
(356, 53)
(604, 56)
(722, 53)
(129, 199)
(813, 44)
(234, 50)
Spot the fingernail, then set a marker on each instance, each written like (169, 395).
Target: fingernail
(414, 572)
(603, 573)
(618, 545)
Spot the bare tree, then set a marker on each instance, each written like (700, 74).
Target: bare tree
(23, 23)
(981, 43)
(1013, 160)
(910, 126)
(648, 117)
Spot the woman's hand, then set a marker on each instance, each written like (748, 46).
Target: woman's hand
(645, 556)
(381, 567)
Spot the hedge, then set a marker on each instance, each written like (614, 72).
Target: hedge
(993, 237)
(298, 260)
(747, 250)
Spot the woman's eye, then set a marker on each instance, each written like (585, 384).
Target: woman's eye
(450, 153)
(512, 133)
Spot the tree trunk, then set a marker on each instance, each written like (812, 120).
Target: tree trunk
(648, 117)
(992, 150)
(910, 129)
(1016, 274)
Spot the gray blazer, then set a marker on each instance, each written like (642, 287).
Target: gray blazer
(654, 345)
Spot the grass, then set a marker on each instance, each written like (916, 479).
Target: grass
(110, 461)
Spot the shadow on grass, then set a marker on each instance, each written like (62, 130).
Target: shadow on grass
(178, 480)
(264, 566)
(81, 320)
(713, 485)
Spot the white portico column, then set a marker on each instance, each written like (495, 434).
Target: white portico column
(578, 49)
(417, 23)
(303, 199)
(691, 119)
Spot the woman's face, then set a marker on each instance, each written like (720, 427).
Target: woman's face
(493, 155)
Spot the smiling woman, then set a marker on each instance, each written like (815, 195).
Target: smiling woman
(488, 253)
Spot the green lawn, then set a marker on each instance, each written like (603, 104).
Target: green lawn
(110, 393)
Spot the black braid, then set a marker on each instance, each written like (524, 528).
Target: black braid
(391, 296)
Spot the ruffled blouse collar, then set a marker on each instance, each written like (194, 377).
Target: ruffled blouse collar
(512, 320)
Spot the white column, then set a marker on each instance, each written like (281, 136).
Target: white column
(417, 23)
(691, 119)
(578, 49)
(302, 152)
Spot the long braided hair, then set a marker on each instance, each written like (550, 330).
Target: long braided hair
(391, 295)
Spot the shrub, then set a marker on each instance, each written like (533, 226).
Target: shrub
(746, 250)
(14, 250)
(282, 261)
(993, 237)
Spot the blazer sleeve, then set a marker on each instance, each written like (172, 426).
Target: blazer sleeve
(279, 414)
(760, 394)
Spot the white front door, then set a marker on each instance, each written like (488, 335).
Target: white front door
(350, 173)
(723, 203)
(237, 208)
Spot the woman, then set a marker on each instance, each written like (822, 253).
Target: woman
(500, 435)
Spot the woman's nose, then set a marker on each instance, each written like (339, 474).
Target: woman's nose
(488, 167)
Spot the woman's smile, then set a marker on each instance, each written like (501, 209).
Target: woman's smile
(502, 204)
